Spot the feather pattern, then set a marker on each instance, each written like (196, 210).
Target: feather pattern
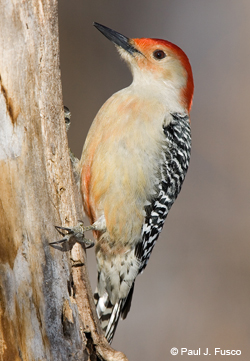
(174, 166)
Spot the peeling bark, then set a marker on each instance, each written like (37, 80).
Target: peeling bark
(46, 306)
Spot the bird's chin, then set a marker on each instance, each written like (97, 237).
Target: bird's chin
(124, 54)
(130, 59)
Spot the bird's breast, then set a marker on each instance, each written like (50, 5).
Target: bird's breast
(120, 162)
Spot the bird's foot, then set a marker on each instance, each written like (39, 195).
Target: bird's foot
(75, 234)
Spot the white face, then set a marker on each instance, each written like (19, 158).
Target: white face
(159, 71)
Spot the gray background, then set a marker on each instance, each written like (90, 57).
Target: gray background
(195, 291)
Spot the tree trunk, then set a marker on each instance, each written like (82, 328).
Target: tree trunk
(46, 307)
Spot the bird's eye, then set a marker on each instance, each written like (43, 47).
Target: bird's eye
(159, 54)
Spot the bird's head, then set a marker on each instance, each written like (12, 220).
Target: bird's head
(156, 62)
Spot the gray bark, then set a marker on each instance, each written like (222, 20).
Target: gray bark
(46, 306)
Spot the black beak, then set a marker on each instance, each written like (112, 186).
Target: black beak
(117, 38)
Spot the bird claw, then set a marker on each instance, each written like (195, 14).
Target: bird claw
(67, 116)
(75, 233)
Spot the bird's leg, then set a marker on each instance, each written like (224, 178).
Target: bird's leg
(75, 233)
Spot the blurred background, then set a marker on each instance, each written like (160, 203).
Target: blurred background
(195, 291)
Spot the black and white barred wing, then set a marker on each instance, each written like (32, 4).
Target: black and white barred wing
(174, 166)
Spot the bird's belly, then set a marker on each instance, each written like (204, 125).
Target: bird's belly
(122, 181)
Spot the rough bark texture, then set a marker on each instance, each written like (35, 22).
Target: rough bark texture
(46, 306)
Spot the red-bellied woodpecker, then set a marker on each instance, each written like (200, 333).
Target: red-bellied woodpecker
(133, 164)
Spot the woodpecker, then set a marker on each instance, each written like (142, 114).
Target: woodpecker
(133, 164)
